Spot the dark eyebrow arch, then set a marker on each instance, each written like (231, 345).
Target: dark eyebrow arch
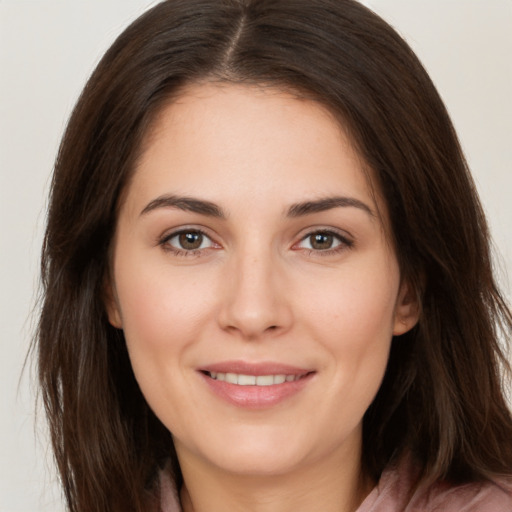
(188, 204)
(322, 205)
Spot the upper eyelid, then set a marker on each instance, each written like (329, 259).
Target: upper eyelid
(172, 232)
(344, 235)
(164, 242)
(345, 239)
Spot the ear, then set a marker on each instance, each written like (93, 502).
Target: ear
(407, 309)
(112, 304)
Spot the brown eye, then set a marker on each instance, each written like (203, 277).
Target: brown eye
(327, 242)
(190, 240)
(321, 241)
(187, 241)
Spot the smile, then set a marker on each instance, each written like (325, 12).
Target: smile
(255, 385)
(253, 380)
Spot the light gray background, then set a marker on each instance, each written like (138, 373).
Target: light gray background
(47, 50)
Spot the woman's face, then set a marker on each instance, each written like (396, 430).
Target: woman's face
(254, 281)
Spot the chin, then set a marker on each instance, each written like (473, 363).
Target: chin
(261, 451)
(260, 461)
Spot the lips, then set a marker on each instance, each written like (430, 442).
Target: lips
(253, 380)
(255, 386)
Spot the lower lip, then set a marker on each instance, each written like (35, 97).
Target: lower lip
(256, 397)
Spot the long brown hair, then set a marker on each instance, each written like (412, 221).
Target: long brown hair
(442, 398)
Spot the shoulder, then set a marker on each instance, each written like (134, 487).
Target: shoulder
(393, 494)
(490, 496)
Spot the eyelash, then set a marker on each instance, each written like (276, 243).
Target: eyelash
(343, 243)
(164, 242)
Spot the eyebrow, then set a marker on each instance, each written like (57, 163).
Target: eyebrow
(327, 203)
(188, 204)
(210, 209)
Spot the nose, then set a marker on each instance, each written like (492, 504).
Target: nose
(255, 302)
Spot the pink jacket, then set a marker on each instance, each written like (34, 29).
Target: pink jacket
(392, 495)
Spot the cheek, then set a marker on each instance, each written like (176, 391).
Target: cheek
(152, 297)
(162, 318)
(357, 306)
(354, 320)
(161, 314)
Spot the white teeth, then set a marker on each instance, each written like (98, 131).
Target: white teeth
(264, 380)
(232, 378)
(253, 380)
(246, 380)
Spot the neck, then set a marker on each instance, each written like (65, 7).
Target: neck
(331, 485)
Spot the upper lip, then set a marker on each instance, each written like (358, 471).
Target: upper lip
(257, 369)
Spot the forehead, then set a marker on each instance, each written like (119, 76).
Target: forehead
(220, 138)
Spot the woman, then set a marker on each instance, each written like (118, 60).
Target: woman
(267, 275)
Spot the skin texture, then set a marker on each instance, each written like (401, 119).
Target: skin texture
(257, 290)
